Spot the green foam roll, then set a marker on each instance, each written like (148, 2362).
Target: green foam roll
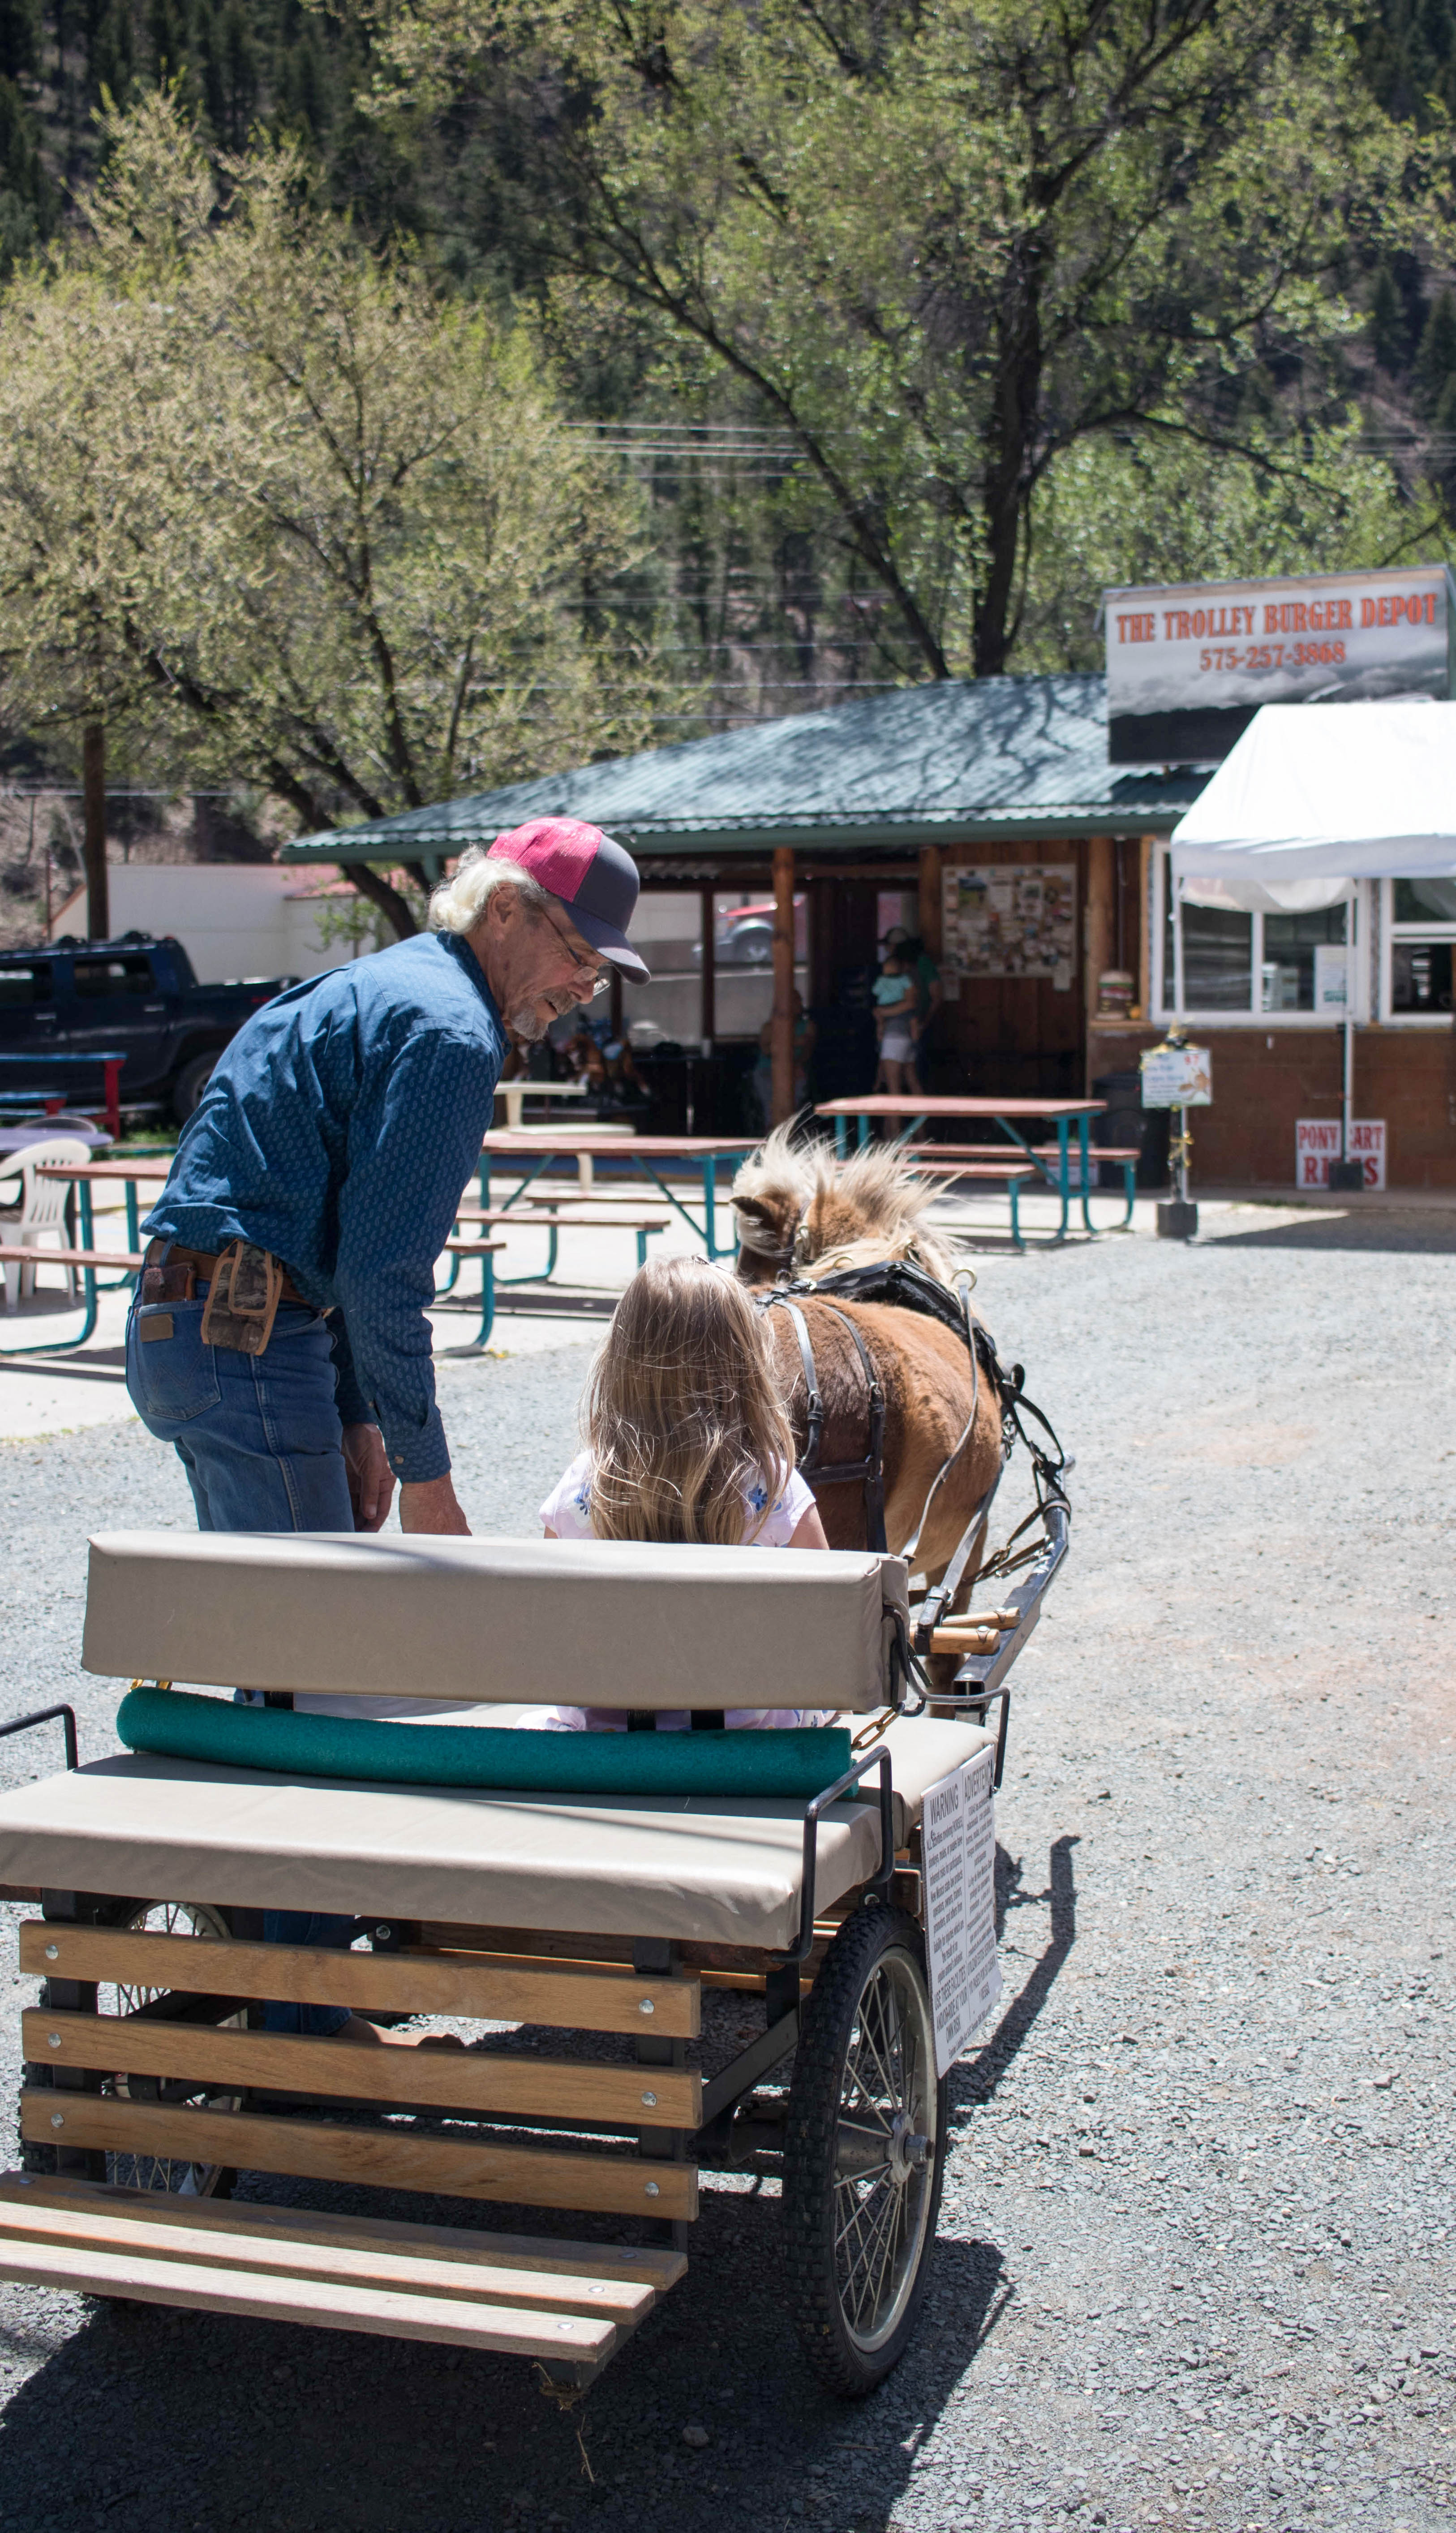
(796, 1761)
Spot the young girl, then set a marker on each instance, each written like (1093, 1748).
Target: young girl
(687, 1440)
(895, 1018)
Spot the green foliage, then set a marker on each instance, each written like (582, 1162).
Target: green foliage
(1436, 360)
(264, 498)
(937, 248)
(1152, 509)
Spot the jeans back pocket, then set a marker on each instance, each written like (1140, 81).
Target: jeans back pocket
(170, 1378)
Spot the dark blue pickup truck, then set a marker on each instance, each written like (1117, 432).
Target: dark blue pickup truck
(135, 997)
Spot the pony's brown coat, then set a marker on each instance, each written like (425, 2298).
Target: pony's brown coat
(792, 1204)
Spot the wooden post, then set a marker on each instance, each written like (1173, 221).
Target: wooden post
(708, 1015)
(93, 792)
(1146, 917)
(783, 1037)
(1100, 921)
(930, 899)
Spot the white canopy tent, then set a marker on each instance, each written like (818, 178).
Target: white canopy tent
(1312, 799)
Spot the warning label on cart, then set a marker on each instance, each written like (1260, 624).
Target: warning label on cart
(958, 1838)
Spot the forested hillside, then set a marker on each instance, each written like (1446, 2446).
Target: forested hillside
(902, 329)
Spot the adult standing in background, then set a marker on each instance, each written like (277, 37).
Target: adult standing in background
(929, 994)
(279, 1339)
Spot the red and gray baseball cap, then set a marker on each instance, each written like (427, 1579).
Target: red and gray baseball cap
(594, 877)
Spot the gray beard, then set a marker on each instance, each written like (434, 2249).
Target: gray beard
(525, 1023)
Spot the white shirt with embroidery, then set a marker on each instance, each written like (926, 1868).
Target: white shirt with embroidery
(567, 1510)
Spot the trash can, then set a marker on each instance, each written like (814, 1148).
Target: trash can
(1128, 1122)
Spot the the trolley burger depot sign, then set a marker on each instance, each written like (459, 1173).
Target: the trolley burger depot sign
(1188, 667)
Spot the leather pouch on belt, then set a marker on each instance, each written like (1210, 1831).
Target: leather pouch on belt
(243, 1300)
(174, 1282)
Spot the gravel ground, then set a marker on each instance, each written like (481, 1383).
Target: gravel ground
(1195, 2264)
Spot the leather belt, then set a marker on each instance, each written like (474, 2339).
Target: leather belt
(205, 1266)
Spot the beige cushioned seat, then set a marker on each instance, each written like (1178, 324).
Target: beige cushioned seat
(702, 1870)
(610, 1622)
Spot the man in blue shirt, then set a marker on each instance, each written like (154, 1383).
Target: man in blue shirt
(317, 1184)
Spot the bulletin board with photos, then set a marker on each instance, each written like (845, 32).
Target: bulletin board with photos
(1011, 919)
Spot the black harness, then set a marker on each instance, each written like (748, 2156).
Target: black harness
(907, 1287)
(870, 1471)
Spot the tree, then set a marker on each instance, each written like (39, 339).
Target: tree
(263, 496)
(943, 245)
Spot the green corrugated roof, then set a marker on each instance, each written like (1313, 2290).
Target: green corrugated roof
(998, 757)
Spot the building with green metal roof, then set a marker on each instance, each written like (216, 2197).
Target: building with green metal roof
(1002, 759)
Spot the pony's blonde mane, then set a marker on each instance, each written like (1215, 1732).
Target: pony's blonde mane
(849, 1213)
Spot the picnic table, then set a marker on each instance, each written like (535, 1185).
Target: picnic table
(536, 1153)
(1008, 1114)
(110, 1060)
(86, 1259)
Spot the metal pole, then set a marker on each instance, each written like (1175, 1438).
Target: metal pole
(1176, 886)
(93, 793)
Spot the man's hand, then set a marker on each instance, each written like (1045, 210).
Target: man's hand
(432, 1506)
(370, 1478)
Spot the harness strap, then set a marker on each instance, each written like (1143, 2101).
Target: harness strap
(870, 1471)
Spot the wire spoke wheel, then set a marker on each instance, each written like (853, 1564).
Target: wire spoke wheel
(168, 2172)
(864, 2152)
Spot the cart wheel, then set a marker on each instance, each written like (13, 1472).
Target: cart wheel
(164, 2172)
(864, 2152)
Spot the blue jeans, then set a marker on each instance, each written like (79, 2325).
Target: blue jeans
(260, 1441)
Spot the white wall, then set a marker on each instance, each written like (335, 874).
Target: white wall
(234, 920)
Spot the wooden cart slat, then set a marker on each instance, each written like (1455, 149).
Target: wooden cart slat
(386, 2158)
(193, 2235)
(403, 1982)
(649, 2264)
(457, 2320)
(460, 2080)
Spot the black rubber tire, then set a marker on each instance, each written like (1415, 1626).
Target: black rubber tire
(874, 1937)
(191, 1080)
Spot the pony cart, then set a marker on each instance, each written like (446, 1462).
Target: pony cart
(593, 1900)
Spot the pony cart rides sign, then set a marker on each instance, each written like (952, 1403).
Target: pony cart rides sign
(1188, 666)
(958, 1838)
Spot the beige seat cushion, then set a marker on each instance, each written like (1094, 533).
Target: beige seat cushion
(703, 1871)
(533, 1622)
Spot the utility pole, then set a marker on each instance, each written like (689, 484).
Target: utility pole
(93, 789)
(780, 1041)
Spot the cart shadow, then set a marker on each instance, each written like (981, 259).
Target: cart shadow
(201, 2419)
(975, 2078)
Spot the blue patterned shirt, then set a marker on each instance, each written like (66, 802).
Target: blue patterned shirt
(339, 1131)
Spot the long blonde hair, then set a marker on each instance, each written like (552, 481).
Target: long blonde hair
(681, 1415)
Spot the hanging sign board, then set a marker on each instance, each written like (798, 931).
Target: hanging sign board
(1187, 666)
(958, 1840)
(1331, 964)
(1011, 919)
(1316, 1142)
(1176, 1077)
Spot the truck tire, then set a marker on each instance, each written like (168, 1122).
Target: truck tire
(191, 1082)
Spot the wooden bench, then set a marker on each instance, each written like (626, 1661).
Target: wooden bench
(84, 1261)
(962, 1159)
(1011, 1175)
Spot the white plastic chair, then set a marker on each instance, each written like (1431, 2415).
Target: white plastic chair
(41, 1214)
